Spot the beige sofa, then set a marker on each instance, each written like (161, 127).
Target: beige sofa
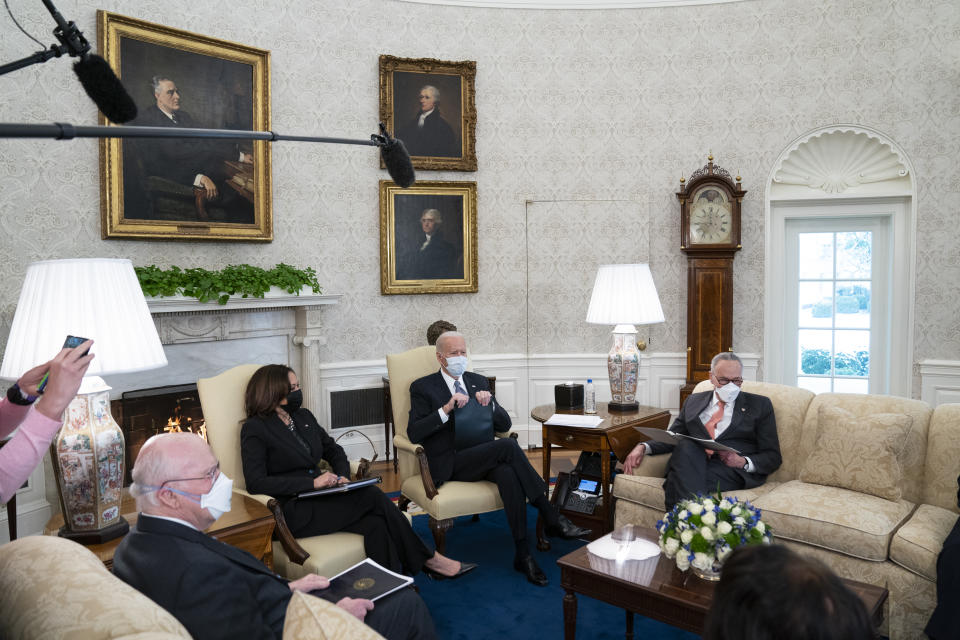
(891, 541)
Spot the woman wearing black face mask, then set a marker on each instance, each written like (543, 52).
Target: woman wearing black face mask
(282, 446)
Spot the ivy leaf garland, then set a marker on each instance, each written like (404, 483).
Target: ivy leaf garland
(237, 279)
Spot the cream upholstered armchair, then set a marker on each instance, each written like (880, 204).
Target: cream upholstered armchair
(221, 398)
(451, 500)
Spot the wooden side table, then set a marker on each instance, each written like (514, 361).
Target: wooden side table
(248, 526)
(615, 434)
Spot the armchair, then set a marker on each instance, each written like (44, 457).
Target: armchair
(453, 499)
(221, 398)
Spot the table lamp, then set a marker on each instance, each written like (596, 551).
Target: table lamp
(98, 299)
(624, 295)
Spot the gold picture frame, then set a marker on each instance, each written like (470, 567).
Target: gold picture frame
(447, 137)
(177, 188)
(447, 262)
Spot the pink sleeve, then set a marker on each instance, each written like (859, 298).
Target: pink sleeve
(10, 416)
(21, 455)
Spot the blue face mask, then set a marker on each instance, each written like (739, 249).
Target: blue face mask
(456, 365)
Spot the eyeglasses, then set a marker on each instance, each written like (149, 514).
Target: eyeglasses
(725, 381)
(209, 475)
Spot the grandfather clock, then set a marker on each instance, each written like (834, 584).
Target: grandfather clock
(710, 236)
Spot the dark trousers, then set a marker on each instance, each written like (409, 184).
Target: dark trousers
(402, 615)
(503, 463)
(690, 472)
(387, 536)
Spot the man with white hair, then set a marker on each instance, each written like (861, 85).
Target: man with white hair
(431, 257)
(429, 134)
(434, 401)
(216, 590)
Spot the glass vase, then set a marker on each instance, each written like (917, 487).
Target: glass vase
(712, 574)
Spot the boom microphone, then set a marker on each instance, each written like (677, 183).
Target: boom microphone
(104, 88)
(396, 158)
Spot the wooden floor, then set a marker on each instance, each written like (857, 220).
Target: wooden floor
(560, 460)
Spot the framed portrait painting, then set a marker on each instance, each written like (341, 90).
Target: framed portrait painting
(429, 104)
(186, 188)
(428, 238)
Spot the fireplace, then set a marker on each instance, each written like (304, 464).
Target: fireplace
(143, 413)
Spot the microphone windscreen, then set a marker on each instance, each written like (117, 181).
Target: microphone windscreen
(398, 163)
(104, 88)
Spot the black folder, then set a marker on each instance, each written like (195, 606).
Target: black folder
(473, 424)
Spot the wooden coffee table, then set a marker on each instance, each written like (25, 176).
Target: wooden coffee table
(676, 597)
(248, 526)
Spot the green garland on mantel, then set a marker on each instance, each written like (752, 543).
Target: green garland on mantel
(242, 280)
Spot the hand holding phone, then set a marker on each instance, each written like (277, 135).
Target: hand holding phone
(70, 343)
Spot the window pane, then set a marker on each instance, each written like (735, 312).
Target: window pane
(851, 385)
(853, 304)
(816, 348)
(816, 255)
(815, 304)
(854, 250)
(853, 353)
(817, 385)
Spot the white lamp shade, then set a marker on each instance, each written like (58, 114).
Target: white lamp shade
(624, 294)
(98, 299)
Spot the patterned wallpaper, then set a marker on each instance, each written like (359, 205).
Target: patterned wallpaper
(607, 107)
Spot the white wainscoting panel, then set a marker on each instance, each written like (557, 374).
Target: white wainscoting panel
(939, 381)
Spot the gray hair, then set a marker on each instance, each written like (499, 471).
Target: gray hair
(155, 83)
(446, 335)
(726, 355)
(433, 91)
(433, 213)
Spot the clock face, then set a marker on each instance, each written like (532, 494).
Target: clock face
(711, 217)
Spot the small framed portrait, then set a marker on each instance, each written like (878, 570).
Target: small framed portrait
(429, 104)
(186, 188)
(428, 238)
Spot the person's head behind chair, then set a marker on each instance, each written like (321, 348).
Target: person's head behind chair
(436, 329)
(768, 592)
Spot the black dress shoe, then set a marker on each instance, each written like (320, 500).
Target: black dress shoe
(566, 529)
(528, 567)
(465, 568)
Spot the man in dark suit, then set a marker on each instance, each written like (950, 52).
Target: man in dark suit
(432, 256)
(434, 400)
(743, 421)
(216, 590)
(945, 621)
(429, 134)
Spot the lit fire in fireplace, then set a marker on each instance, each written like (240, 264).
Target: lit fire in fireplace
(178, 423)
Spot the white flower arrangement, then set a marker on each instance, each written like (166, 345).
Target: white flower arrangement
(702, 531)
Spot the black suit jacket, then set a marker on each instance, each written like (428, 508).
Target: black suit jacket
(180, 160)
(752, 432)
(213, 589)
(437, 260)
(425, 427)
(276, 464)
(435, 138)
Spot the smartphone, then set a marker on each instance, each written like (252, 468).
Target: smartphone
(69, 343)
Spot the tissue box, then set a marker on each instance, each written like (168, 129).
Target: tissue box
(568, 396)
(637, 564)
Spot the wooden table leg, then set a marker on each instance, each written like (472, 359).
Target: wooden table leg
(542, 543)
(629, 625)
(607, 492)
(569, 615)
(12, 517)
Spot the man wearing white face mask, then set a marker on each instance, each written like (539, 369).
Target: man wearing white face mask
(741, 420)
(216, 590)
(434, 401)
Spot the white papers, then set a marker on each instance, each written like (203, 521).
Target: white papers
(574, 420)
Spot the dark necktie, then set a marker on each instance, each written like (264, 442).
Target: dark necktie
(457, 388)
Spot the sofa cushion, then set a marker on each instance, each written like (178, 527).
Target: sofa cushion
(312, 618)
(840, 520)
(943, 458)
(648, 491)
(859, 453)
(918, 543)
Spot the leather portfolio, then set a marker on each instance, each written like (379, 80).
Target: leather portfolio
(473, 424)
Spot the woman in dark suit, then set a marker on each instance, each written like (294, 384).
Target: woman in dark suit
(282, 447)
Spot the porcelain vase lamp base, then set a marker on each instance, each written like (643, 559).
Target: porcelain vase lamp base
(623, 365)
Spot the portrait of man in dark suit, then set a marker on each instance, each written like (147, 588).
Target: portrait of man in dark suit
(429, 133)
(429, 233)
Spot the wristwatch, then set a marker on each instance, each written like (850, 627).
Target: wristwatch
(16, 395)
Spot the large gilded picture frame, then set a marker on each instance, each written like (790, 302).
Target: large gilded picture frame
(177, 188)
(428, 238)
(429, 104)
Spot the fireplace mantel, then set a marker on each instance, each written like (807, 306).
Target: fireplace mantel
(274, 299)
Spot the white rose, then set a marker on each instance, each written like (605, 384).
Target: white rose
(683, 515)
(672, 546)
(702, 561)
(724, 528)
(739, 521)
(725, 504)
(707, 533)
(686, 536)
(735, 511)
(723, 553)
(695, 508)
(682, 563)
(709, 518)
(760, 526)
(708, 504)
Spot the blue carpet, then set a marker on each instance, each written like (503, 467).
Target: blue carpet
(496, 601)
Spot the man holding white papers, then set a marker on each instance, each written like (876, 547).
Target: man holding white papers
(434, 401)
(740, 420)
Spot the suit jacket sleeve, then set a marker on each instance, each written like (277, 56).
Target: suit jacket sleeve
(424, 418)
(766, 459)
(255, 445)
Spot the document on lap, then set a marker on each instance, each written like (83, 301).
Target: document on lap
(343, 488)
(574, 420)
(366, 579)
(473, 425)
(673, 438)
